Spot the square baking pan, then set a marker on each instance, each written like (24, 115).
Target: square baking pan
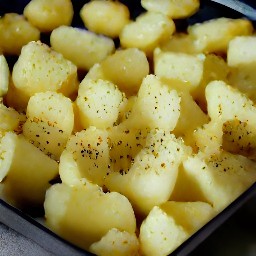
(34, 228)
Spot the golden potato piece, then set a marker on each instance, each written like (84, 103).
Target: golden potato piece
(156, 106)
(175, 9)
(11, 120)
(227, 103)
(241, 51)
(41, 69)
(15, 32)
(50, 122)
(86, 157)
(105, 17)
(169, 225)
(27, 172)
(215, 35)
(47, 15)
(116, 243)
(217, 179)
(179, 66)
(83, 215)
(126, 68)
(98, 103)
(147, 32)
(179, 42)
(154, 168)
(4, 76)
(84, 48)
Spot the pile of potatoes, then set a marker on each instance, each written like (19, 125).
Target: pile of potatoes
(155, 139)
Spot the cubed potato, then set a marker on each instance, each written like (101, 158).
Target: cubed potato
(176, 9)
(169, 225)
(154, 168)
(157, 106)
(217, 179)
(105, 17)
(239, 138)
(47, 15)
(83, 215)
(147, 32)
(214, 68)
(86, 156)
(11, 120)
(188, 123)
(50, 122)
(227, 103)
(179, 42)
(124, 144)
(241, 51)
(41, 69)
(214, 35)
(15, 32)
(244, 79)
(241, 57)
(181, 66)
(98, 102)
(95, 73)
(4, 74)
(25, 171)
(126, 108)
(87, 49)
(116, 243)
(126, 68)
(15, 98)
(208, 138)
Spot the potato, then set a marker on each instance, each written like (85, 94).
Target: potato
(126, 68)
(86, 156)
(242, 62)
(87, 49)
(217, 179)
(179, 42)
(105, 17)
(15, 98)
(154, 168)
(214, 68)
(246, 54)
(173, 8)
(149, 30)
(124, 144)
(4, 74)
(126, 108)
(98, 102)
(47, 15)
(208, 138)
(26, 171)
(116, 243)
(50, 122)
(227, 103)
(188, 123)
(83, 215)
(95, 73)
(214, 35)
(156, 106)
(11, 120)
(41, 69)
(15, 32)
(169, 225)
(239, 138)
(181, 66)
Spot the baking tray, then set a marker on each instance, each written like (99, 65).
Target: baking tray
(34, 229)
